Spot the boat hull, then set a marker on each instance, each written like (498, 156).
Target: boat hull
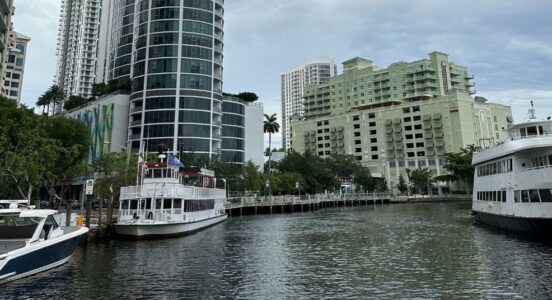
(532, 226)
(152, 231)
(35, 259)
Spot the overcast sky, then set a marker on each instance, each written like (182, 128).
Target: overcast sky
(506, 44)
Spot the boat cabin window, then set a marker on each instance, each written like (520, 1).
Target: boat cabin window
(545, 195)
(524, 196)
(533, 196)
(533, 131)
(133, 204)
(162, 173)
(15, 227)
(51, 222)
(167, 203)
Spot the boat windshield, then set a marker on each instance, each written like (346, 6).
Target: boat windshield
(16, 227)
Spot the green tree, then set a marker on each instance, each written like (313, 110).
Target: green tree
(460, 166)
(68, 159)
(74, 102)
(248, 96)
(422, 178)
(316, 174)
(55, 96)
(252, 177)
(402, 186)
(114, 173)
(40, 151)
(271, 127)
(99, 89)
(343, 165)
(45, 103)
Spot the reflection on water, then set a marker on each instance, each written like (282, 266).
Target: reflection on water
(391, 251)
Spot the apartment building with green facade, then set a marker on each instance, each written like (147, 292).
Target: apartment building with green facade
(402, 117)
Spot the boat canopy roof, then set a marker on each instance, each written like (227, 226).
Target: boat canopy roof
(41, 213)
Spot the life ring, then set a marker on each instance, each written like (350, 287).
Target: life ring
(149, 215)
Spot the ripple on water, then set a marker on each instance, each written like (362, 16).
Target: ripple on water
(423, 251)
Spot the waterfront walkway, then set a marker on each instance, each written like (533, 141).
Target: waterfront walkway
(290, 204)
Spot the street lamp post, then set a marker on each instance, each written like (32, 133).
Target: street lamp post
(298, 187)
(267, 184)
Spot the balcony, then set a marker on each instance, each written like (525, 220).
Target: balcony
(136, 109)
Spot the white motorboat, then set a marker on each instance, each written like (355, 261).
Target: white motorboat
(31, 240)
(513, 180)
(169, 203)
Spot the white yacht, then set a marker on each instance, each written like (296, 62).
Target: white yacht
(31, 241)
(170, 203)
(513, 180)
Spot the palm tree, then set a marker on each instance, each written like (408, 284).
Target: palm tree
(44, 102)
(270, 126)
(57, 96)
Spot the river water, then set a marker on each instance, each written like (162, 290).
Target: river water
(424, 251)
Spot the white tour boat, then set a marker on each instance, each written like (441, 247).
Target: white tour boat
(31, 241)
(513, 180)
(170, 203)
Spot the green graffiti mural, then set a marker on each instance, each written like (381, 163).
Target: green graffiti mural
(100, 123)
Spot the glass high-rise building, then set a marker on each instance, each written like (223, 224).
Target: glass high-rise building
(172, 50)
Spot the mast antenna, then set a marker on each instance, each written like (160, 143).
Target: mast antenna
(531, 114)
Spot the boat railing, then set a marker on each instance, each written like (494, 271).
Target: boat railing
(531, 136)
(535, 168)
(170, 190)
(156, 214)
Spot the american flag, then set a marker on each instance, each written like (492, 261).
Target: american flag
(142, 163)
(205, 181)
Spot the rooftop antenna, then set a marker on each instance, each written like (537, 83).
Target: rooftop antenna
(531, 115)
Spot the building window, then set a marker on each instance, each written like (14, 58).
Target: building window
(406, 110)
(415, 108)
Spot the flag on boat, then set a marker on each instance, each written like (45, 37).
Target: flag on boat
(142, 163)
(206, 181)
(172, 160)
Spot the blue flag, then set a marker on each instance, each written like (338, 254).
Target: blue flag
(172, 160)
